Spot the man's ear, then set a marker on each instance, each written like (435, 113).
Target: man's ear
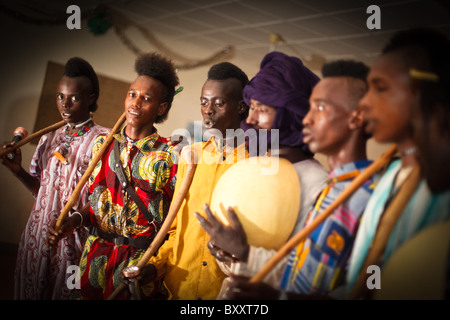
(162, 108)
(242, 107)
(92, 98)
(356, 120)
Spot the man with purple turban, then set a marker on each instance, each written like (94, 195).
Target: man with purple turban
(278, 97)
(285, 84)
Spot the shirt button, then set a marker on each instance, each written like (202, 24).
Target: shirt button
(204, 263)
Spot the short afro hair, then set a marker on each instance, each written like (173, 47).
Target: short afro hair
(346, 68)
(162, 69)
(78, 67)
(227, 70)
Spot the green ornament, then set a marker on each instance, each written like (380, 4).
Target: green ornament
(99, 24)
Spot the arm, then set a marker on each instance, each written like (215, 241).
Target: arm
(226, 241)
(72, 222)
(233, 254)
(160, 260)
(15, 166)
(239, 288)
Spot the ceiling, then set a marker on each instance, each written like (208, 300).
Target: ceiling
(314, 30)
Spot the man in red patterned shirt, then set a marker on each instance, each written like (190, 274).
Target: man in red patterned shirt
(132, 186)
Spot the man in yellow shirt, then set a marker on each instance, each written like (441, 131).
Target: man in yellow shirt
(189, 271)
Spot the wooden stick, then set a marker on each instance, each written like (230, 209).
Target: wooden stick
(385, 227)
(302, 234)
(37, 134)
(79, 187)
(160, 236)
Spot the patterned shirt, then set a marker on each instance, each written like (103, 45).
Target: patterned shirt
(150, 166)
(318, 264)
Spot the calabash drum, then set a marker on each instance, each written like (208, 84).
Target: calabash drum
(265, 194)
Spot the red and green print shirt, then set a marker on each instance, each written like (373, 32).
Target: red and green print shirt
(150, 166)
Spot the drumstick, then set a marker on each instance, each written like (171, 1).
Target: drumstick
(76, 192)
(37, 134)
(160, 236)
(302, 234)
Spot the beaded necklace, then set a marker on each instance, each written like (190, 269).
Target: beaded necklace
(129, 145)
(82, 129)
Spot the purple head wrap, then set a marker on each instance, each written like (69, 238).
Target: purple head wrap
(285, 83)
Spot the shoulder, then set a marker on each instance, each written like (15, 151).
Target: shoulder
(98, 141)
(47, 139)
(98, 129)
(97, 134)
(311, 170)
(161, 150)
(199, 145)
(310, 164)
(161, 144)
(100, 138)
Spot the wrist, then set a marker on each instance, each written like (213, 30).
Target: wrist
(19, 173)
(242, 255)
(77, 218)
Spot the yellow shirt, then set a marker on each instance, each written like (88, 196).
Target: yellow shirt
(190, 272)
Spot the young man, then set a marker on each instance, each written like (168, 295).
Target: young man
(183, 262)
(40, 272)
(126, 210)
(334, 127)
(278, 98)
(410, 73)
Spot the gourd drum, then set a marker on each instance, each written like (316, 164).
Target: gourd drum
(265, 194)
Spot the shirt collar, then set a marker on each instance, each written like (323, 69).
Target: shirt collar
(143, 144)
(348, 168)
(228, 144)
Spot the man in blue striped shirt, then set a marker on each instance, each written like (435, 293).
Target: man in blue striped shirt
(334, 127)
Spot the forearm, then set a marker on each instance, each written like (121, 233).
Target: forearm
(257, 259)
(30, 182)
(75, 220)
(84, 217)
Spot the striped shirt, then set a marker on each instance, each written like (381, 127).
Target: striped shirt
(318, 264)
(423, 209)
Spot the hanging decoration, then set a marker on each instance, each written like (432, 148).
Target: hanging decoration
(120, 24)
(314, 62)
(99, 24)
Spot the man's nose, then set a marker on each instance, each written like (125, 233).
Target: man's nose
(307, 119)
(207, 109)
(67, 102)
(137, 101)
(364, 103)
(252, 118)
